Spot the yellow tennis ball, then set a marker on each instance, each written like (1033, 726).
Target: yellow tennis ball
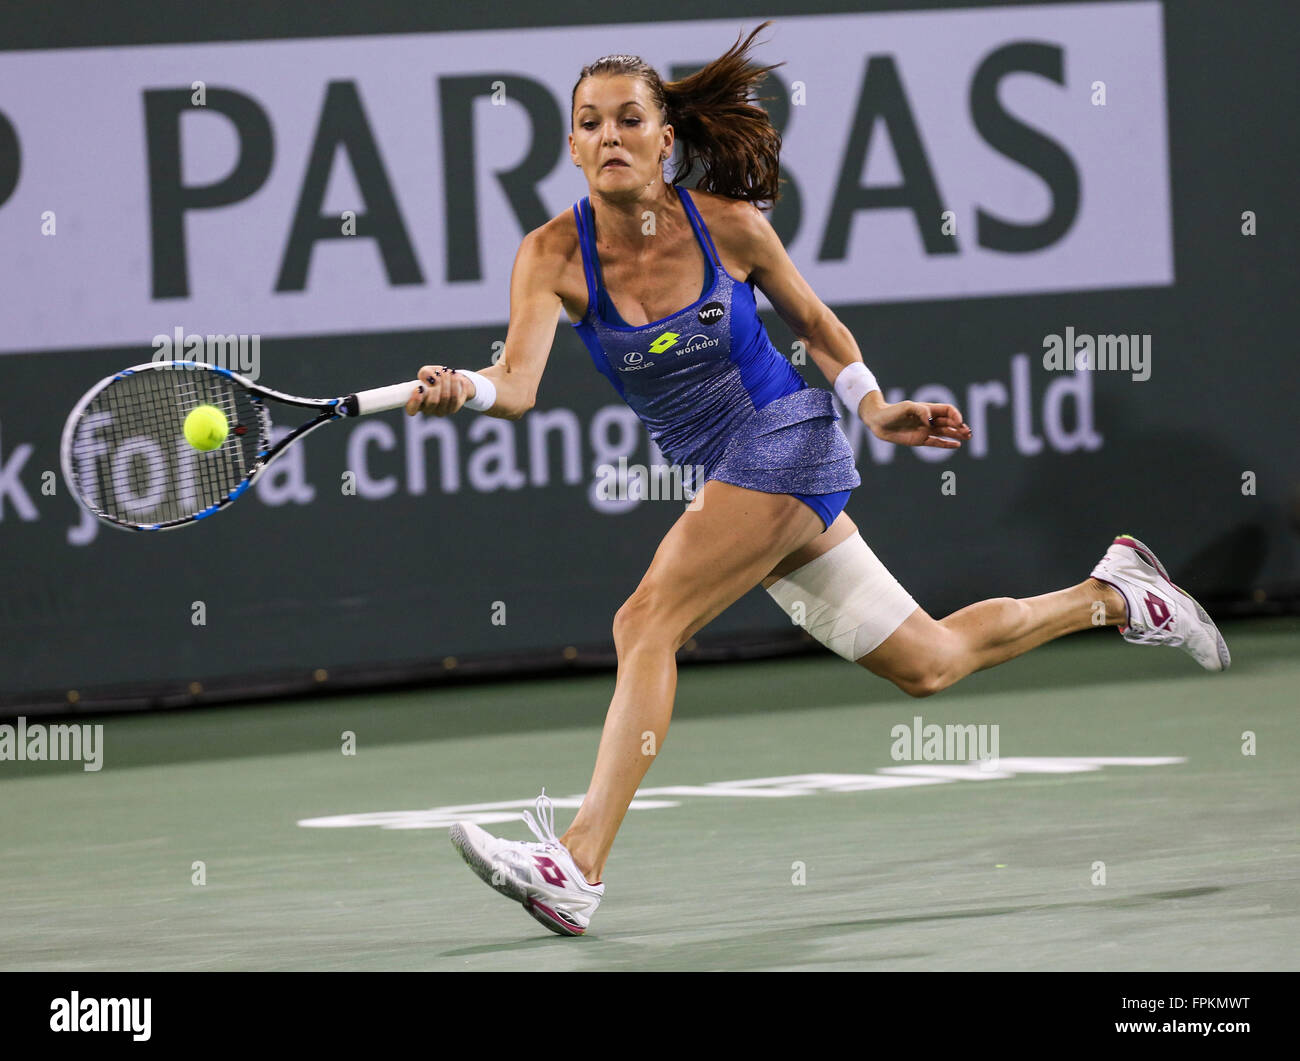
(206, 427)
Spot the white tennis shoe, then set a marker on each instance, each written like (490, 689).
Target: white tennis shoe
(542, 876)
(1159, 613)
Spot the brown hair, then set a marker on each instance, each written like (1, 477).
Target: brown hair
(736, 144)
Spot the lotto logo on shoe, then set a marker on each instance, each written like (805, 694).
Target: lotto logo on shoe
(1158, 610)
(550, 872)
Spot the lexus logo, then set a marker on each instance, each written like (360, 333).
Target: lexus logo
(633, 358)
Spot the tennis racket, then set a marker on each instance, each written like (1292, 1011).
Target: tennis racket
(126, 459)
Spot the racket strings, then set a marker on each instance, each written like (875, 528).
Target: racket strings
(131, 460)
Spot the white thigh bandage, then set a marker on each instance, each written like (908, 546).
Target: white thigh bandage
(845, 598)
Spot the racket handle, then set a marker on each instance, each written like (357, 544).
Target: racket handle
(381, 399)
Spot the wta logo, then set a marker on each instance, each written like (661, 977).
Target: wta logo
(711, 313)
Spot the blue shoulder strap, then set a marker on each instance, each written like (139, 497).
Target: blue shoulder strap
(584, 241)
(697, 223)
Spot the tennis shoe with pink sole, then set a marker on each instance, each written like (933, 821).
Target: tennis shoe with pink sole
(1159, 613)
(540, 875)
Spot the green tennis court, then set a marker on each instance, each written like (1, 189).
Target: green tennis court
(803, 870)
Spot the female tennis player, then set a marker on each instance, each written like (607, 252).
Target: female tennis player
(713, 391)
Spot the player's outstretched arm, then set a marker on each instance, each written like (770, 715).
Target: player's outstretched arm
(830, 343)
(534, 314)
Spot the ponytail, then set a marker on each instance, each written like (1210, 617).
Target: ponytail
(735, 142)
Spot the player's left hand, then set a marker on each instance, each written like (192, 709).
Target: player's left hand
(916, 423)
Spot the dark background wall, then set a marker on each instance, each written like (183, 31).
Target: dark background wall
(355, 586)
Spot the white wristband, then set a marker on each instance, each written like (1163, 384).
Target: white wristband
(485, 393)
(853, 384)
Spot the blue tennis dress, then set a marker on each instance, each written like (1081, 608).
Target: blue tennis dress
(712, 390)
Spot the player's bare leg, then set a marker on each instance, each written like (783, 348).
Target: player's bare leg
(925, 655)
(710, 558)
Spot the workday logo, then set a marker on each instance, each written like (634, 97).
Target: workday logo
(696, 343)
